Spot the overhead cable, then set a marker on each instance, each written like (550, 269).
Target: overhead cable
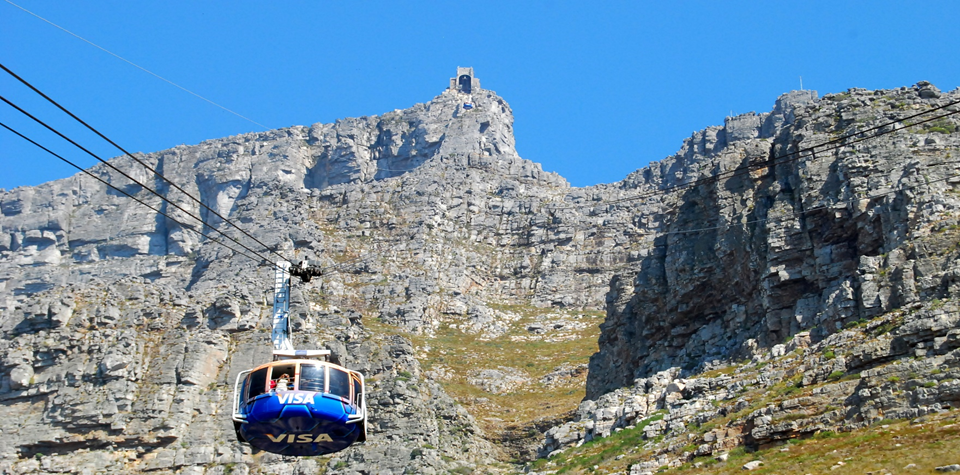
(155, 172)
(805, 211)
(786, 158)
(101, 180)
(151, 190)
(121, 58)
(783, 217)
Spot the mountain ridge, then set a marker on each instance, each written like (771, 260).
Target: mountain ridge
(432, 224)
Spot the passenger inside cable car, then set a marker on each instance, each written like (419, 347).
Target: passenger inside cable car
(283, 383)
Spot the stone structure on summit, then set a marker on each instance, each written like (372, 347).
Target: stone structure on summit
(465, 81)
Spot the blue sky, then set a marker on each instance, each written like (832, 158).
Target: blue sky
(598, 89)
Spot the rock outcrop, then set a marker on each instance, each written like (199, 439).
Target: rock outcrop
(902, 365)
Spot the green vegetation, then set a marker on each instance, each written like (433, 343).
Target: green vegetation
(887, 327)
(862, 322)
(886, 446)
(788, 387)
(872, 449)
(727, 370)
(940, 126)
(601, 451)
(827, 434)
(838, 97)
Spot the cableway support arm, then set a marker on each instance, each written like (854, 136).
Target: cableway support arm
(282, 335)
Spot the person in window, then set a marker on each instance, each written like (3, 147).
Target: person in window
(283, 383)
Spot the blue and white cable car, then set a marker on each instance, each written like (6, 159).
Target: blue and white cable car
(300, 403)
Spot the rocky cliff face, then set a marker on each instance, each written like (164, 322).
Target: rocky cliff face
(812, 292)
(803, 242)
(124, 330)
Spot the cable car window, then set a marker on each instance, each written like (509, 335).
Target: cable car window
(257, 382)
(358, 389)
(311, 378)
(339, 383)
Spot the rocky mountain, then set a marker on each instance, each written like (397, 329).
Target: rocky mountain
(814, 291)
(124, 329)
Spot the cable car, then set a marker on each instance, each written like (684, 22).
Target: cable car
(300, 403)
(300, 407)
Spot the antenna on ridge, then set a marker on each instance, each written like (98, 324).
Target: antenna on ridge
(801, 83)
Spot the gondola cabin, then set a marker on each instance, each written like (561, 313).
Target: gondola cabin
(300, 407)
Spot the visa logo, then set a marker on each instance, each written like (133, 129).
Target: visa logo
(299, 438)
(295, 398)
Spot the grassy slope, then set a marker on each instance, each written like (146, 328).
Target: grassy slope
(514, 414)
(884, 447)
